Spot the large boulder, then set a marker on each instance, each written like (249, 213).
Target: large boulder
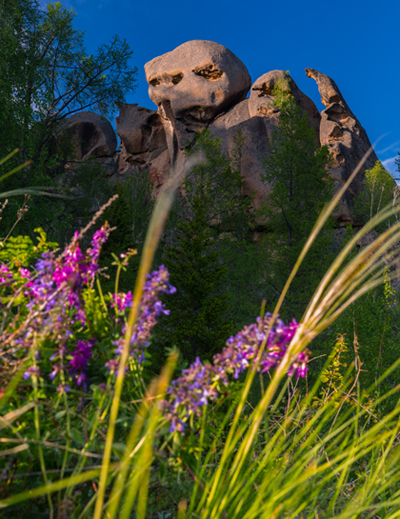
(92, 135)
(256, 119)
(262, 101)
(141, 133)
(342, 132)
(255, 132)
(191, 85)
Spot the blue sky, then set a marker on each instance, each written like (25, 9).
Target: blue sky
(355, 42)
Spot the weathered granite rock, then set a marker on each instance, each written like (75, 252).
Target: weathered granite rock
(191, 85)
(256, 132)
(342, 132)
(261, 99)
(92, 135)
(141, 133)
(202, 84)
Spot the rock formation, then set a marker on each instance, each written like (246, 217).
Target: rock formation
(342, 132)
(92, 135)
(202, 84)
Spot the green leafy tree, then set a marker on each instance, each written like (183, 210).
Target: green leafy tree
(296, 170)
(379, 191)
(46, 75)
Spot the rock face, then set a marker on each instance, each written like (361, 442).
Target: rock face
(202, 84)
(191, 85)
(261, 99)
(92, 135)
(141, 133)
(342, 132)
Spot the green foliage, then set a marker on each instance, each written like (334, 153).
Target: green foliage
(107, 450)
(130, 215)
(372, 324)
(296, 169)
(20, 251)
(379, 191)
(196, 324)
(45, 76)
(212, 213)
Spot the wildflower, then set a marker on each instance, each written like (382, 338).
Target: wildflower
(55, 303)
(122, 301)
(79, 361)
(32, 370)
(24, 273)
(5, 274)
(150, 309)
(203, 383)
(63, 388)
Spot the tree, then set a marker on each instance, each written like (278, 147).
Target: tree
(47, 75)
(201, 252)
(296, 169)
(378, 192)
(130, 215)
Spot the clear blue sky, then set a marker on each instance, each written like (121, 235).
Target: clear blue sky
(355, 42)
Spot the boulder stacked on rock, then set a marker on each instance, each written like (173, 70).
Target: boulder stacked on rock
(202, 84)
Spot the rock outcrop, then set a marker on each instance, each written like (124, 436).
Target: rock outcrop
(342, 132)
(141, 133)
(193, 84)
(202, 84)
(92, 135)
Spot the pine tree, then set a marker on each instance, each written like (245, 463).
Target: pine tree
(296, 169)
(196, 323)
(212, 221)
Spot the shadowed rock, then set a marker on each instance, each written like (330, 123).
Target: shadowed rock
(141, 133)
(92, 135)
(256, 132)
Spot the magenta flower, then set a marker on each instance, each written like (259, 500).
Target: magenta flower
(203, 383)
(149, 310)
(56, 304)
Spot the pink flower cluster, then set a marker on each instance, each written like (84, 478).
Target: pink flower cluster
(203, 383)
(55, 304)
(150, 309)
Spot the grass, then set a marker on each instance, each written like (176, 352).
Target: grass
(107, 451)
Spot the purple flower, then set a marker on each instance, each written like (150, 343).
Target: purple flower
(80, 358)
(203, 383)
(122, 301)
(55, 303)
(32, 370)
(150, 308)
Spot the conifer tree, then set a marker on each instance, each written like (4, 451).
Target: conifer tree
(296, 169)
(212, 220)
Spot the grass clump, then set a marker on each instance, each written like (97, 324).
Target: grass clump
(87, 433)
